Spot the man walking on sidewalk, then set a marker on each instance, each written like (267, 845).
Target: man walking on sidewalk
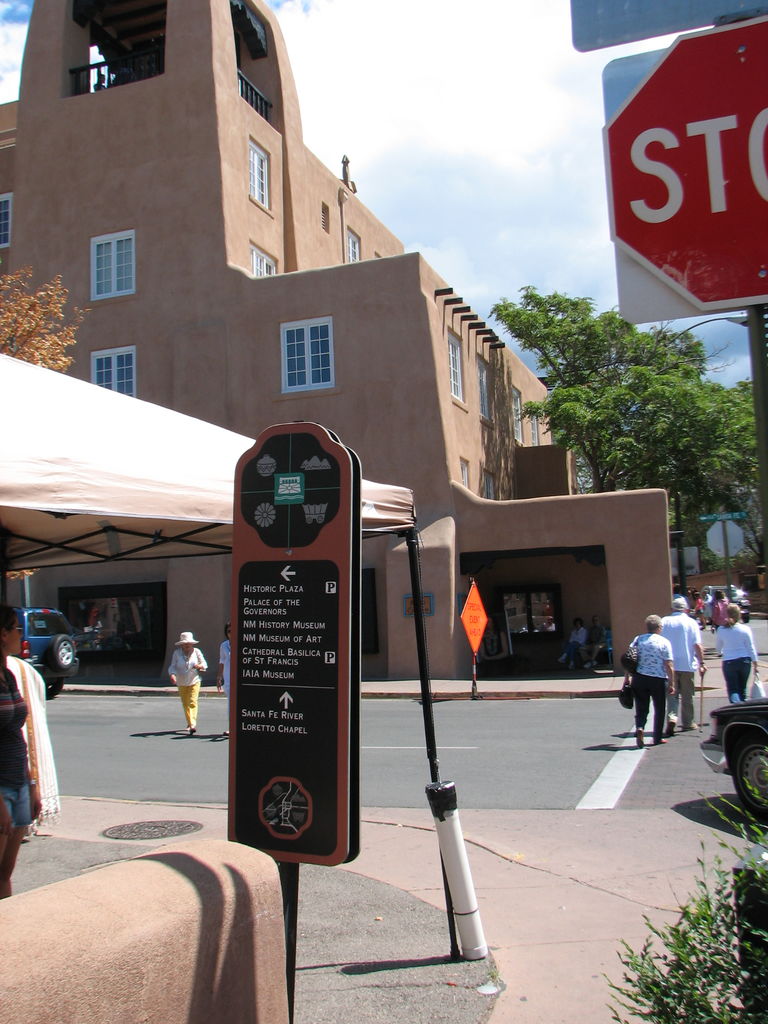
(683, 634)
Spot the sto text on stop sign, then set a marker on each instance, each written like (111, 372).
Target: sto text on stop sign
(688, 173)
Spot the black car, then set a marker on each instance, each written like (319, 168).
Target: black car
(738, 747)
(48, 644)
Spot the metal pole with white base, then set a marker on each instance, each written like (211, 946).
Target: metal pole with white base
(444, 806)
(461, 905)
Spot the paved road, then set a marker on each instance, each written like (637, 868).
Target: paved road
(514, 755)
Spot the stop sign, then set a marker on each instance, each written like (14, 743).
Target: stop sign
(687, 168)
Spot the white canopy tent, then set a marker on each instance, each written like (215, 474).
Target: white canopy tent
(88, 475)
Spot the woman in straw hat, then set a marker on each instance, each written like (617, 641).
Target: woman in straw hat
(186, 666)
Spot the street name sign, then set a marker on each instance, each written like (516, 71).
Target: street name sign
(716, 517)
(687, 170)
(599, 23)
(295, 665)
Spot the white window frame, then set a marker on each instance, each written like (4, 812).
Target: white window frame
(258, 174)
(482, 386)
(517, 415)
(262, 265)
(489, 486)
(535, 434)
(114, 355)
(297, 357)
(353, 246)
(6, 204)
(464, 470)
(118, 284)
(454, 366)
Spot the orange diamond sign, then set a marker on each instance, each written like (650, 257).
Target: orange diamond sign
(474, 618)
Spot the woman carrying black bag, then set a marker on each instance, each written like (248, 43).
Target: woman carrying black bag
(653, 679)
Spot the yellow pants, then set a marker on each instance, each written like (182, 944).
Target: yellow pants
(188, 696)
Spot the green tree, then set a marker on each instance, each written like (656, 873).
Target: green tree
(634, 406)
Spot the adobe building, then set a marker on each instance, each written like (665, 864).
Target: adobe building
(155, 160)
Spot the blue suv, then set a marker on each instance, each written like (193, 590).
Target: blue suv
(48, 644)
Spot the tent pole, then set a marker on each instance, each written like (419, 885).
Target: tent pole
(442, 796)
(411, 538)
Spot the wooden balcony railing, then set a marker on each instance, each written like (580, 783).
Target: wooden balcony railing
(251, 95)
(120, 71)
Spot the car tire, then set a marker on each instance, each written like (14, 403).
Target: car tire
(53, 688)
(749, 767)
(61, 653)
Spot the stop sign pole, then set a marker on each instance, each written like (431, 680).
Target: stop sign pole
(687, 170)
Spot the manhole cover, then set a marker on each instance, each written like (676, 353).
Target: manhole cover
(152, 829)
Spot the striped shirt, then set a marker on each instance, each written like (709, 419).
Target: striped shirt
(13, 749)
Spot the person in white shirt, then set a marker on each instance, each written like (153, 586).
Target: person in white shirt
(222, 675)
(684, 635)
(187, 665)
(736, 645)
(653, 680)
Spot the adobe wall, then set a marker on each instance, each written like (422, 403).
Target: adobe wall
(631, 526)
(188, 934)
(542, 471)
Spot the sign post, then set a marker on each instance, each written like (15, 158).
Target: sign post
(294, 733)
(474, 619)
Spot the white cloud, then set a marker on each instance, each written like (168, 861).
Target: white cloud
(13, 35)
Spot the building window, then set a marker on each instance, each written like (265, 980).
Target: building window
(6, 202)
(535, 438)
(325, 217)
(258, 168)
(307, 354)
(115, 370)
(454, 358)
(118, 621)
(517, 414)
(261, 264)
(464, 466)
(489, 486)
(533, 611)
(482, 383)
(113, 265)
(353, 247)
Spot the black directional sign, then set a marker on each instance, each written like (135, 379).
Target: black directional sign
(295, 667)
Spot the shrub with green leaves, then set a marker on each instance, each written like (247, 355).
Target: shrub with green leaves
(711, 966)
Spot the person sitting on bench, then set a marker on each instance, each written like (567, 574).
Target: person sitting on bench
(576, 641)
(595, 642)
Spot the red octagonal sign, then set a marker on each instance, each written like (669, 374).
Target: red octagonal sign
(687, 168)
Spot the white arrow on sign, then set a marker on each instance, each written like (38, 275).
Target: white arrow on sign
(287, 573)
(286, 699)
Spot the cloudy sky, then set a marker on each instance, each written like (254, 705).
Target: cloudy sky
(473, 132)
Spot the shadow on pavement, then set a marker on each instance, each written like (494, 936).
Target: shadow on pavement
(719, 812)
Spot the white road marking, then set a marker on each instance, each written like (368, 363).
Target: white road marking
(418, 748)
(605, 792)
